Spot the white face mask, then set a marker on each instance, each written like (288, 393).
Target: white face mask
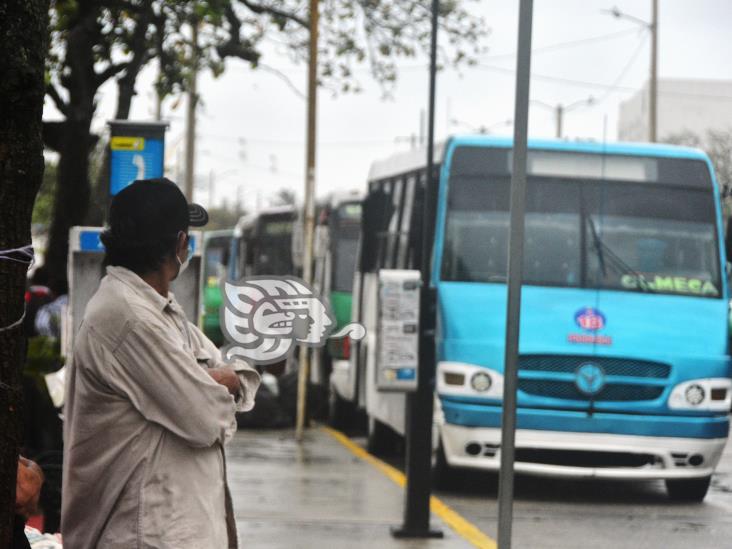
(183, 264)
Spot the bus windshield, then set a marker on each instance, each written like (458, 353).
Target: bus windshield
(275, 246)
(217, 252)
(585, 233)
(345, 233)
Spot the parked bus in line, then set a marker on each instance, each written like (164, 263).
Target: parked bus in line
(262, 244)
(337, 230)
(216, 250)
(624, 368)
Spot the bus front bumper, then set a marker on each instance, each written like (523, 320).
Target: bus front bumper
(576, 455)
(578, 452)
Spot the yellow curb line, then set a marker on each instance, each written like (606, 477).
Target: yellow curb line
(462, 527)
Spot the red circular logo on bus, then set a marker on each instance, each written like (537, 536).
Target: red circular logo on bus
(590, 319)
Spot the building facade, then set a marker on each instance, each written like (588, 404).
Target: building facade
(683, 105)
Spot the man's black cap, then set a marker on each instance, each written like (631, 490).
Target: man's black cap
(153, 208)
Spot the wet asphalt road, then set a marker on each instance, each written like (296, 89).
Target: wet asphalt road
(317, 495)
(321, 496)
(562, 514)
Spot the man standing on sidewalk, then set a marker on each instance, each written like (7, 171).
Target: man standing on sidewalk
(149, 401)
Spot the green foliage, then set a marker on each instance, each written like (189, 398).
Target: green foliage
(128, 33)
(43, 357)
(43, 207)
(285, 197)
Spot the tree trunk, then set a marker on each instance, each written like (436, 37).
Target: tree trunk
(72, 193)
(23, 39)
(72, 189)
(125, 93)
(96, 214)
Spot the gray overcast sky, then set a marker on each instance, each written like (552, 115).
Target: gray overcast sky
(252, 125)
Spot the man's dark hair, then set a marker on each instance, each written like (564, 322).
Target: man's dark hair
(145, 220)
(139, 256)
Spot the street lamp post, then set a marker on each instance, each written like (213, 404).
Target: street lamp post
(653, 82)
(560, 110)
(481, 129)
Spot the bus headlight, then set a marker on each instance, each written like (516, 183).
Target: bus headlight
(709, 395)
(694, 394)
(468, 380)
(481, 382)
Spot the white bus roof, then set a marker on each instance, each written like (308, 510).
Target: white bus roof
(248, 220)
(404, 162)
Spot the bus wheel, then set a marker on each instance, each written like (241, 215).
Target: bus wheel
(689, 490)
(381, 439)
(444, 476)
(340, 411)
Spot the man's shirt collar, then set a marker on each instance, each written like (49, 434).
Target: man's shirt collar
(142, 288)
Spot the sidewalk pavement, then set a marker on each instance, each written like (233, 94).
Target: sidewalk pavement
(326, 493)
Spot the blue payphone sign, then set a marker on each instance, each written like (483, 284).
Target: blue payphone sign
(134, 158)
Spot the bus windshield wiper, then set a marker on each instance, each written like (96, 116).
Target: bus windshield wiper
(598, 244)
(614, 259)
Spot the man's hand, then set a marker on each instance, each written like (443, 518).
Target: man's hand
(27, 487)
(226, 377)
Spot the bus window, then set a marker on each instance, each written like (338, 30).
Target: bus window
(405, 223)
(376, 210)
(637, 237)
(345, 229)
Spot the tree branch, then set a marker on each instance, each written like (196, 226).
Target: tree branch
(234, 47)
(109, 72)
(61, 105)
(275, 12)
(282, 76)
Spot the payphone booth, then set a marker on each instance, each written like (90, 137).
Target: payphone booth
(85, 271)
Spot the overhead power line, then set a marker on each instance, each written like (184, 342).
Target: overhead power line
(598, 85)
(624, 71)
(569, 44)
(296, 143)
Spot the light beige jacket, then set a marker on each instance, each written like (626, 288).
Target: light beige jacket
(145, 425)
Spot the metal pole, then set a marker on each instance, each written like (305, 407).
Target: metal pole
(515, 265)
(653, 86)
(191, 116)
(309, 207)
(560, 113)
(420, 403)
(421, 127)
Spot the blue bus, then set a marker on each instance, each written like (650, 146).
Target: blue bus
(624, 368)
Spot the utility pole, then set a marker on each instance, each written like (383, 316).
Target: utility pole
(560, 110)
(420, 404)
(421, 127)
(653, 85)
(309, 207)
(191, 115)
(560, 113)
(653, 80)
(515, 275)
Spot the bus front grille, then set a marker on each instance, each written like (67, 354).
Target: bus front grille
(584, 458)
(568, 391)
(611, 366)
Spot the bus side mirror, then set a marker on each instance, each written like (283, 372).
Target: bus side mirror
(728, 241)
